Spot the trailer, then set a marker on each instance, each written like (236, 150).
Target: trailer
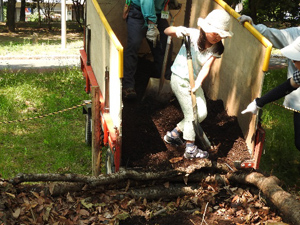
(236, 78)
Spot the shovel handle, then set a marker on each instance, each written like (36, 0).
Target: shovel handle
(187, 40)
(198, 129)
(166, 56)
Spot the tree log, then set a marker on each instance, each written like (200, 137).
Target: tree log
(282, 200)
(157, 192)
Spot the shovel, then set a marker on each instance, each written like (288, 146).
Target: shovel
(160, 88)
(206, 145)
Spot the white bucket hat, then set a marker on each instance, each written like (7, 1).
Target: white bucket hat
(292, 51)
(217, 21)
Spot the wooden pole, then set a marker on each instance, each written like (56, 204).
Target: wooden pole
(96, 124)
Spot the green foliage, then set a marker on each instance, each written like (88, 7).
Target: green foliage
(272, 11)
(281, 158)
(53, 144)
(34, 17)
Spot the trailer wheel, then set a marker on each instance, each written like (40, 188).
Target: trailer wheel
(110, 164)
(88, 128)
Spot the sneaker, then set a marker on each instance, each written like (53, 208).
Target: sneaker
(194, 152)
(174, 140)
(129, 93)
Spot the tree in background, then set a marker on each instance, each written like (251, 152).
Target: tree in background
(79, 9)
(48, 9)
(272, 11)
(11, 8)
(22, 11)
(1, 11)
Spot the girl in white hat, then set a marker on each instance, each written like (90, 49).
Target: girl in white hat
(292, 52)
(206, 46)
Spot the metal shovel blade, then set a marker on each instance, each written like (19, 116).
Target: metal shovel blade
(153, 90)
(159, 88)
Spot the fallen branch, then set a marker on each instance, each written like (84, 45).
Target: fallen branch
(282, 200)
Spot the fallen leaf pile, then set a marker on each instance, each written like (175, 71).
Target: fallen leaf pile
(212, 204)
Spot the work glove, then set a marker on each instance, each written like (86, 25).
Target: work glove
(252, 108)
(152, 34)
(242, 19)
(181, 31)
(196, 87)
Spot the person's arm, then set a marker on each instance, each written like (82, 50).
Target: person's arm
(278, 37)
(170, 31)
(178, 32)
(276, 93)
(203, 73)
(148, 11)
(294, 84)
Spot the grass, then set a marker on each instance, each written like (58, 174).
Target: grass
(280, 158)
(53, 144)
(48, 42)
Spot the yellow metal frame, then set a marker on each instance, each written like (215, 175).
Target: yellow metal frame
(252, 30)
(112, 35)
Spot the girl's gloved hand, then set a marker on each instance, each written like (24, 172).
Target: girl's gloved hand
(197, 85)
(252, 108)
(181, 31)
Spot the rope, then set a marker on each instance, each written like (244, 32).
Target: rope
(46, 115)
(285, 107)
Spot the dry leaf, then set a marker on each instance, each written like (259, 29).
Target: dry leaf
(167, 184)
(175, 160)
(84, 212)
(16, 213)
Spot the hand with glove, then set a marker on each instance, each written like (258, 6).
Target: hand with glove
(252, 108)
(152, 34)
(181, 31)
(242, 19)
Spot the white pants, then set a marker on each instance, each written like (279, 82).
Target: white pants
(180, 88)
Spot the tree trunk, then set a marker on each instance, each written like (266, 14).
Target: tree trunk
(11, 8)
(39, 12)
(1, 11)
(283, 201)
(253, 11)
(22, 12)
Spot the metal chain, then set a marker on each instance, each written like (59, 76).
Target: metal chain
(49, 114)
(285, 107)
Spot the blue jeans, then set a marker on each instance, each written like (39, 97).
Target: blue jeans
(136, 32)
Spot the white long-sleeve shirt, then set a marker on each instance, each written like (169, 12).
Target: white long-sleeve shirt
(281, 38)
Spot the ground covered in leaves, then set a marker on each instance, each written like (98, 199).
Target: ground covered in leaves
(30, 204)
(144, 125)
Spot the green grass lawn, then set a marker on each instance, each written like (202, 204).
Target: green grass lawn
(54, 144)
(280, 158)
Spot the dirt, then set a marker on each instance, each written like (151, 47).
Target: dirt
(145, 122)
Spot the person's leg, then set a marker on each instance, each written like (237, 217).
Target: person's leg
(180, 88)
(297, 129)
(136, 31)
(201, 105)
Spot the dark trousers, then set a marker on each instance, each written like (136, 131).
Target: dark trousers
(297, 129)
(136, 32)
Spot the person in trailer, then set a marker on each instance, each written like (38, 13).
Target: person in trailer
(206, 47)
